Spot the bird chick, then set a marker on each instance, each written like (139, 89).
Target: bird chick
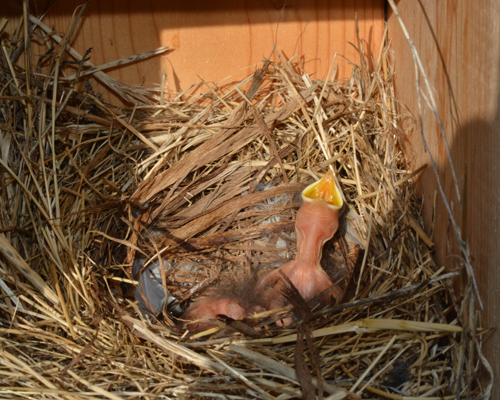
(236, 299)
(202, 311)
(316, 222)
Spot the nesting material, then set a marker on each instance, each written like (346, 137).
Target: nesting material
(87, 188)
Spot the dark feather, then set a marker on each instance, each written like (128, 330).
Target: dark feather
(150, 294)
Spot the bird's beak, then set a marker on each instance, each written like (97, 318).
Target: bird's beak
(327, 190)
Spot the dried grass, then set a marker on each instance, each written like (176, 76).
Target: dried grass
(83, 184)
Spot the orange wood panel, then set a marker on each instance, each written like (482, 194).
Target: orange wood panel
(459, 44)
(220, 40)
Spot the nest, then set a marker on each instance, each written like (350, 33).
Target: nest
(87, 188)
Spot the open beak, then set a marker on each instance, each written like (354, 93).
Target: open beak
(326, 189)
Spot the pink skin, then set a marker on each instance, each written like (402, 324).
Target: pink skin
(201, 311)
(317, 221)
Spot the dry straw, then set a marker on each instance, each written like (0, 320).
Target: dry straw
(84, 186)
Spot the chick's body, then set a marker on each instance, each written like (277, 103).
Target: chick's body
(316, 222)
(236, 298)
(203, 310)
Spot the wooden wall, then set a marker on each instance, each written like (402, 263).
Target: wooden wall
(219, 40)
(459, 44)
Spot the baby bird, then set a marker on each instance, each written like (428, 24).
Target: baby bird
(202, 311)
(237, 299)
(316, 222)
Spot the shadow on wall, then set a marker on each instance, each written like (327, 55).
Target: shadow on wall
(475, 152)
(218, 12)
(478, 145)
(462, 59)
(219, 41)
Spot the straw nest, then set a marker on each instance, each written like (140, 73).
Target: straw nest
(85, 185)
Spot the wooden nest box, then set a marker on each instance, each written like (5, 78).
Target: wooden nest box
(458, 43)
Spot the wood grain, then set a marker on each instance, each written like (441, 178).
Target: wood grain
(459, 44)
(219, 41)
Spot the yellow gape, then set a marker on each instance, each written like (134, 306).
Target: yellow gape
(325, 189)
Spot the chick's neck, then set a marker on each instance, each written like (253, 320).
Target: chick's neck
(315, 224)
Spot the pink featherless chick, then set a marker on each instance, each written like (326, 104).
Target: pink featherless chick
(203, 310)
(236, 299)
(316, 222)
